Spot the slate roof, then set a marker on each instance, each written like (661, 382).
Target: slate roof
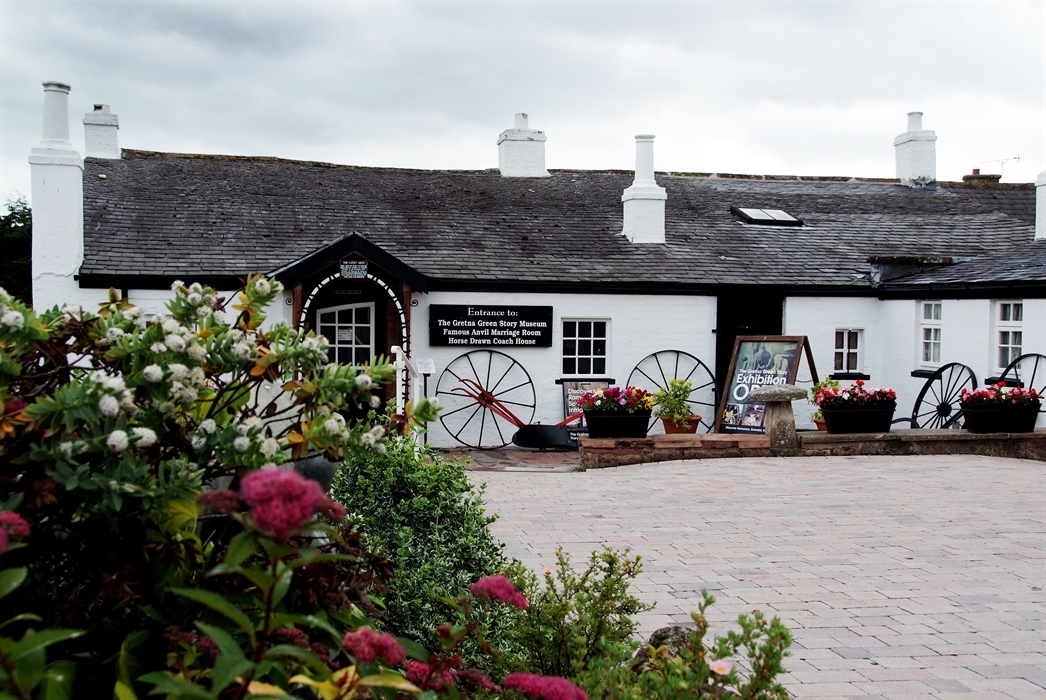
(160, 216)
(1024, 266)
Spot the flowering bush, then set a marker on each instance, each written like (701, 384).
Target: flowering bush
(614, 399)
(1000, 395)
(111, 425)
(673, 401)
(856, 396)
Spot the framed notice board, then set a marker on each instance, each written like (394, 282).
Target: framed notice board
(758, 360)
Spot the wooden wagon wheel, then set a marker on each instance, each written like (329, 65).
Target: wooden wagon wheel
(938, 402)
(1027, 371)
(472, 423)
(655, 371)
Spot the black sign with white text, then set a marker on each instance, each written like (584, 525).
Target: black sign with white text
(490, 326)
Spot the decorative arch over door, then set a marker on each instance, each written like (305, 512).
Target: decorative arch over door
(306, 308)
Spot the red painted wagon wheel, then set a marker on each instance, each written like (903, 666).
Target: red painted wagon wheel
(480, 424)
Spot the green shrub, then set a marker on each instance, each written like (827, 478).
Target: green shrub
(422, 512)
(577, 615)
(698, 671)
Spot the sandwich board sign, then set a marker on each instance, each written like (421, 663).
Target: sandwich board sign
(757, 361)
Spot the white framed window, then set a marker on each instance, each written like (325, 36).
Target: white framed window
(930, 332)
(848, 349)
(585, 346)
(350, 330)
(1009, 332)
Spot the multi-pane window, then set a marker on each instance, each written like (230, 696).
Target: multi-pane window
(847, 349)
(930, 330)
(1009, 334)
(349, 329)
(584, 347)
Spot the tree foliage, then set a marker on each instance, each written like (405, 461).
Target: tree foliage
(16, 242)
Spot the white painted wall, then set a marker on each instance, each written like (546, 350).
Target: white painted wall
(639, 326)
(892, 338)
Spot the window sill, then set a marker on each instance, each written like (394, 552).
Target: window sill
(1011, 383)
(849, 376)
(923, 373)
(583, 378)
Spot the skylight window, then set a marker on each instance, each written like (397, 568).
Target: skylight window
(765, 217)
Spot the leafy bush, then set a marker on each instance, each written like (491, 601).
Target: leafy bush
(575, 615)
(698, 671)
(422, 512)
(112, 423)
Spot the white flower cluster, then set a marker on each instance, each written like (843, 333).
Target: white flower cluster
(113, 394)
(263, 287)
(11, 318)
(371, 439)
(186, 382)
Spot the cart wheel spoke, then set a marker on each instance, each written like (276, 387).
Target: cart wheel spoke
(938, 403)
(656, 371)
(502, 383)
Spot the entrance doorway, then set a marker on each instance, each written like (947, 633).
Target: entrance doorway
(350, 331)
(743, 312)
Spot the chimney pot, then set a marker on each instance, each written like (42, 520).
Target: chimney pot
(1040, 206)
(976, 171)
(521, 150)
(915, 153)
(644, 201)
(101, 134)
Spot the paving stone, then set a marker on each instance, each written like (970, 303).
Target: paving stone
(889, 567)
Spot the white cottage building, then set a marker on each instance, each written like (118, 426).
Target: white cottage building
(521, 279)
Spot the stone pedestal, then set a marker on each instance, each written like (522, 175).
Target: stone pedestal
(779, 421)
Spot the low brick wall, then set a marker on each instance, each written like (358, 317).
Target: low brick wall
(598, 454)
(926, 442)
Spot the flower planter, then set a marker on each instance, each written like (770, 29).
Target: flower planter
(1000, 418)
(821, 425)
(617, 425)
(874, 419)
(672, 428)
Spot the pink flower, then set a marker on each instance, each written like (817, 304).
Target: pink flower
(367, 645)
(720, 667)
(500, 589)
(477, 677)
(14, 523)
(282, 500)
(427, 677)
(222, 501)
(11, 525)
(292, 635)
(544, 687)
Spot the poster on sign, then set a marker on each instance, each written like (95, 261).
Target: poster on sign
(764, 360)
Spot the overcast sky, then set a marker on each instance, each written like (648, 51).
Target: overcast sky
(809, 88)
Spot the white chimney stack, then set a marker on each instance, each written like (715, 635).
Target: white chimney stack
(1040, 206)
(58, 205)
(521, 150)
(100, 134)
(645, 200)
(916, 153)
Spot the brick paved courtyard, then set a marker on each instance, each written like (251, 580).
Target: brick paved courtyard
(900, 577)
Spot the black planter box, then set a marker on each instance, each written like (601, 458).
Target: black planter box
(617, 425)
(1001, 418)
(859, 420)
